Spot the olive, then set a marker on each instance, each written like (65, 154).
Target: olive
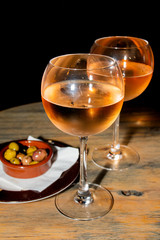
(31, 150)
(9, 153)
(20, 156)
(15, 161)
(33, 162)
(13, 146)
(39, 155)
(22, 148)
(26, 160)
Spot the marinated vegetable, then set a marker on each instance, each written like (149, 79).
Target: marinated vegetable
(26, 160)
(39, 155)
(31, 150)
(33, 162)
(23, 155)
(15, 161)
(13, 146)
(9, 154)
(20, 156)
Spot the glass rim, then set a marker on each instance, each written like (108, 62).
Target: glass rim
(112, 63)
(146, 43)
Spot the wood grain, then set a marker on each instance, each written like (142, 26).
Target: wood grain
(136, 191)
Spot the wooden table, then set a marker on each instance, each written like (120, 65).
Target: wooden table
(136, 191)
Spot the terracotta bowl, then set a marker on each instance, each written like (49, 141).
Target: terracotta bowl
(30, 171)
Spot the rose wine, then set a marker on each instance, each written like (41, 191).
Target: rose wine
(136, 76)
(82, 108)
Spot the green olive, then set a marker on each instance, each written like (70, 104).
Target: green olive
(15, 161)
(13, 146)
(31, 150)
(9, 154)
(33, 162)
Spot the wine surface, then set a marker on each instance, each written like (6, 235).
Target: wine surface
(82, 108)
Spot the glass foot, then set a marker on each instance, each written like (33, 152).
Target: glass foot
(122, 159)
(100, 205)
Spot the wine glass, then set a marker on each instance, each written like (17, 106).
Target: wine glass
(136, 61)
(82, 95)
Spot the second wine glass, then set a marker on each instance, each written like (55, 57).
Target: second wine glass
(135, 58)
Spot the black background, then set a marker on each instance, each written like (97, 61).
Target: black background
(32, 34)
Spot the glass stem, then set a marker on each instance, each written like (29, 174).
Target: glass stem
(83, 194)
(115, 147)
(116, 144)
